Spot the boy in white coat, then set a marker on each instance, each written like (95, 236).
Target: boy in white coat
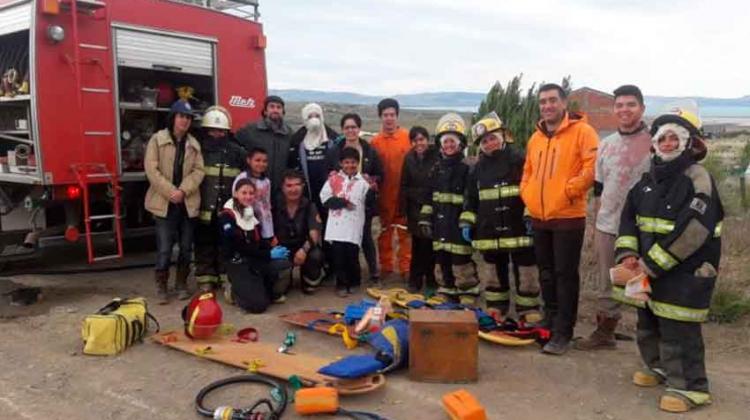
(344, 195)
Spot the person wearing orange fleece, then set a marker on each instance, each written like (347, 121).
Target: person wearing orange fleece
(392, 144)
(559, 170)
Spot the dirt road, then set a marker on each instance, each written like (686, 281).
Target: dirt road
(43, 374)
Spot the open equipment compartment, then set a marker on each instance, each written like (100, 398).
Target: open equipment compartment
(155, 68)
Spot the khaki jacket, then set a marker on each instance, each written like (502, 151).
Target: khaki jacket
(159, 164)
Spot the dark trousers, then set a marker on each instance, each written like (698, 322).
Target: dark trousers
(558, 254)
(177, 227)
(422, 266)
(675, 348)
(369, 249)
(346, 264)
(209, 263)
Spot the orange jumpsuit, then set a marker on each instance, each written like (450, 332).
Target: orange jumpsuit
(392, 148)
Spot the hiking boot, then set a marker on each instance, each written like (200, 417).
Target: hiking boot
(603, 337)
(647, 379)
(161, 277)
(342, 293)
(557, 346)
(683, 401)
(180, 285)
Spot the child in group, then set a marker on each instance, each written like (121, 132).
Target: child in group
(257, 164)
(438, 218)
(344, 195)
(252, 264)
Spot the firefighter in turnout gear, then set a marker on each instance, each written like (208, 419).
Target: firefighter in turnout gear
(493, 220)
(223, 160)
(439, 215)
(670, 230)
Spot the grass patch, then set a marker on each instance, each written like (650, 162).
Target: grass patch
(728, 306)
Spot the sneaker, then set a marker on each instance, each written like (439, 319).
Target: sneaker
(342, 293)
(280, 299)
(557, 346)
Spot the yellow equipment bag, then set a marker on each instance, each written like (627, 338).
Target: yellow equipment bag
(116, 326)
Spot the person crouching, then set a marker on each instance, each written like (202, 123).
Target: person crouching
(252, 265)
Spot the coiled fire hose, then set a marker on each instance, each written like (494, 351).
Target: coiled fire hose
(262, 409)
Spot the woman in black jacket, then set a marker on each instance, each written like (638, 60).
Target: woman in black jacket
(415, 190)
(253, 265)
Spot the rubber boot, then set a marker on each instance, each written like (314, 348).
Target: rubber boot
(161, 277)
(603, 337)
(180, 285)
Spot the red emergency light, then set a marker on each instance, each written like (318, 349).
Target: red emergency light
(73, 192)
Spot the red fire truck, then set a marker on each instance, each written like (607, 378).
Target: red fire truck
(84, 85)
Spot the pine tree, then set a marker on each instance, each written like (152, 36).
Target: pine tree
(519, 110)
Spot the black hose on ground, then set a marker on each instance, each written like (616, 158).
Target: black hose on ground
(252, 412)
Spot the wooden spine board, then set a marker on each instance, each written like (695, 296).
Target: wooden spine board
(274, 364)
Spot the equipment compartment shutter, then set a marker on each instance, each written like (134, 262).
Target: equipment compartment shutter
(147, 50)
(15, 18)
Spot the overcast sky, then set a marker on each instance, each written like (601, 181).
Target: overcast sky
(667, 47)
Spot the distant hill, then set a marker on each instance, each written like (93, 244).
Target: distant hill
(467, 101)
(415, 100)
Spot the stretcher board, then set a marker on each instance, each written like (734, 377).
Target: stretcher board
(272, 363)
(315, 320)
(401, 297)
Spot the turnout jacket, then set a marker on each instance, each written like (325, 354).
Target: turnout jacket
(223, 160)
(493, 205)
(445, 204)
(672, 222)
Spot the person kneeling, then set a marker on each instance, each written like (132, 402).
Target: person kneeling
(253, 265)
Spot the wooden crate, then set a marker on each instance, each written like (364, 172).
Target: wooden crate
(443, 346)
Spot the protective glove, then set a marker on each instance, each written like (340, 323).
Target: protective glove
(335, 203)
(426, 230)
(279, 253)
(466, 233)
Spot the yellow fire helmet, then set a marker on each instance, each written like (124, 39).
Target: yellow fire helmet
(217, 117)
(451, 123)
(682, 115)
(489, 124)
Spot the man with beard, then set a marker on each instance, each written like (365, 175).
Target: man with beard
(271, 134)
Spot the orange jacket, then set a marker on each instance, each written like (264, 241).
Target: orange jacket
(391, 149)
(559, 170)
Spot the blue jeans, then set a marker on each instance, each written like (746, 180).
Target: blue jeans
(177, 227)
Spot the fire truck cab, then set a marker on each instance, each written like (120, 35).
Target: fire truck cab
(85, 83)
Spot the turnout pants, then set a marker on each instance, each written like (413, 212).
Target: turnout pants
(209, 264)
(422, 267)
(673, 349)
(558, 254)
(459, 280)
(525, 273)
(346, 264)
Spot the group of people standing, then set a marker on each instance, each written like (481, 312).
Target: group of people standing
(269, 199)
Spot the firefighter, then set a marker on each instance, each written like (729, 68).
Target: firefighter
(670, 230)
(223, 159)
(494, 218)
(440, 215)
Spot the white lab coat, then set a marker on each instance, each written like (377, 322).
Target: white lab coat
(345, 225)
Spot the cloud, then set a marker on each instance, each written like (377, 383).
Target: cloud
(399, 46)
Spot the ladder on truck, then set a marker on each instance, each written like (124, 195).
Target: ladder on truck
(91, 90)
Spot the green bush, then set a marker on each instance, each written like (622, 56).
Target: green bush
(728, 306)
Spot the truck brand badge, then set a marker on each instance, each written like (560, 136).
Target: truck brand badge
(240, 102)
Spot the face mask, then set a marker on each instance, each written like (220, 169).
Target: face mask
(313, 124)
